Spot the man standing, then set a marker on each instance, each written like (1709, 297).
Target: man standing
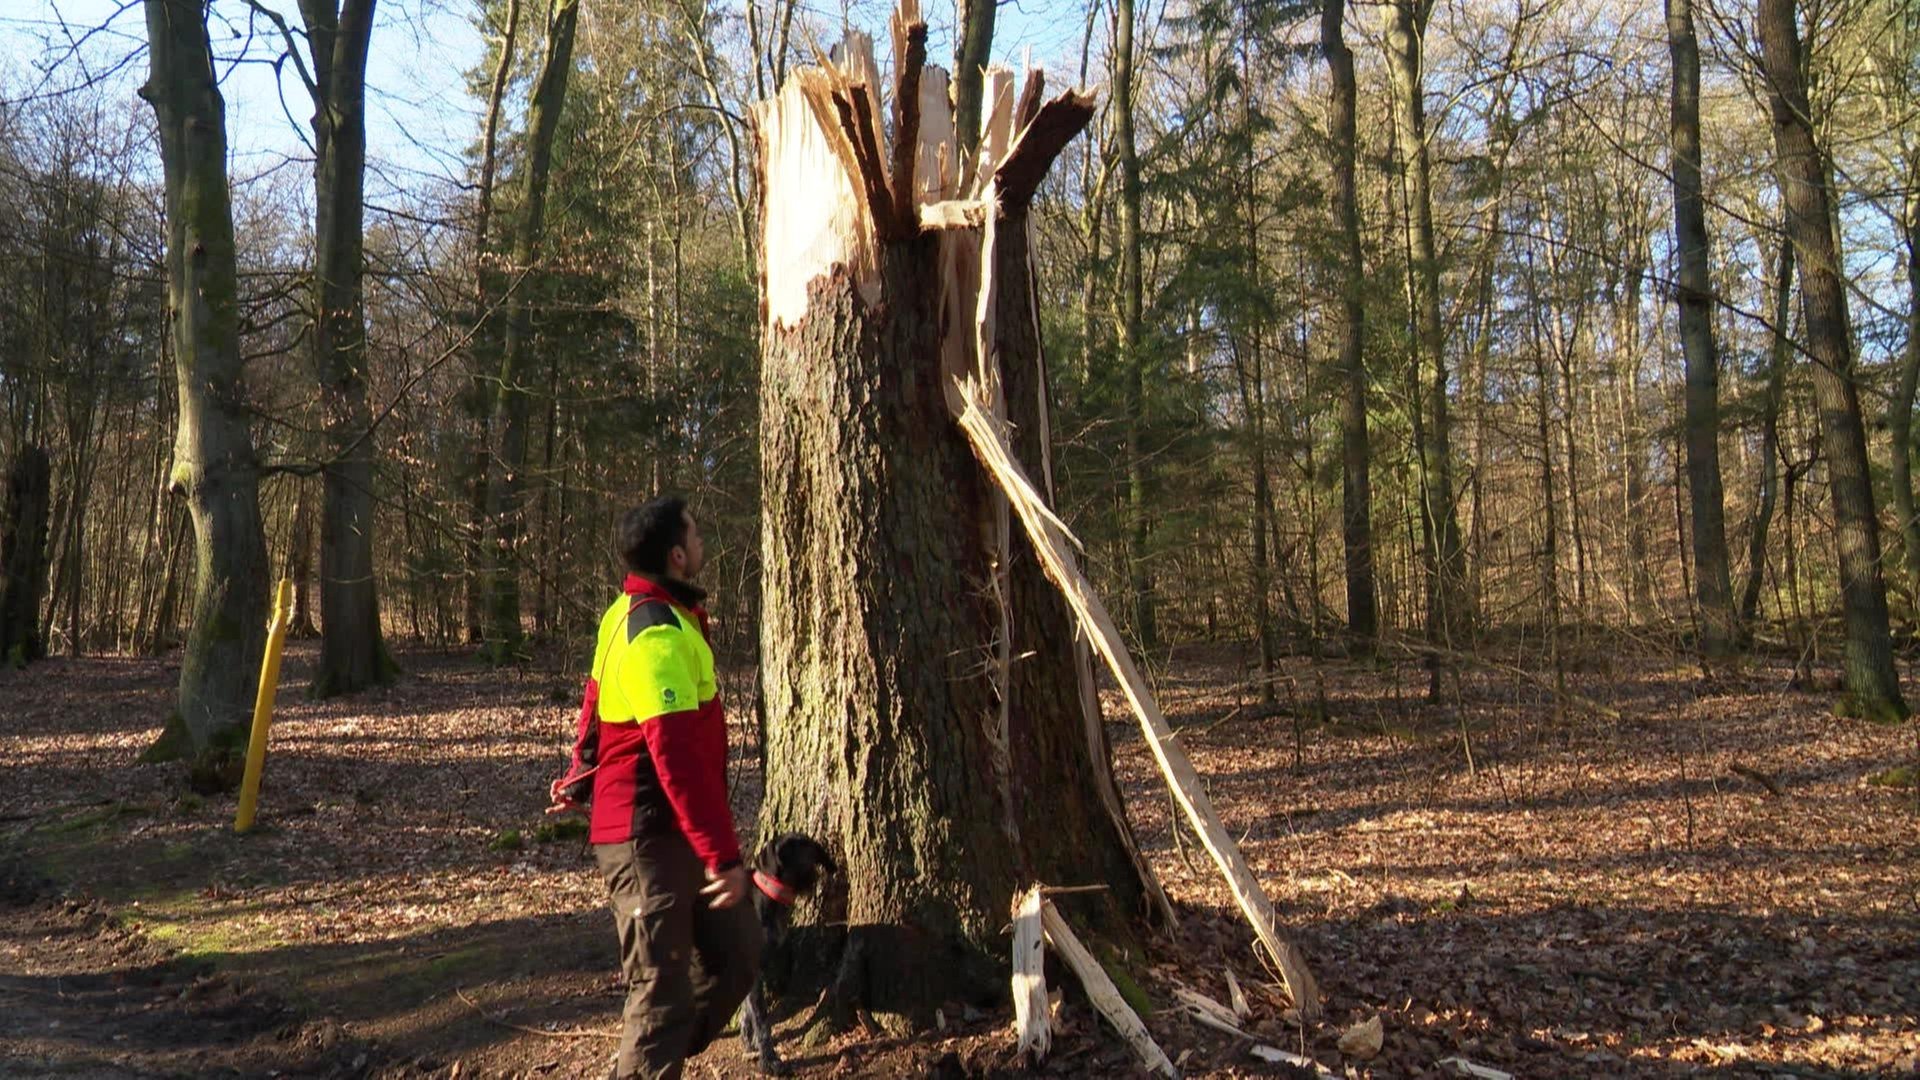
(651, 758)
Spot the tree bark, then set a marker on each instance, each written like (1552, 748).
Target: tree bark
(1133, 356)
(23, 556)
(1694, 294)
(1900, 409)
(512, 406)
(1779, 357)
(353, 655)
(926, 713)
(300, 566)
(1356, 481)
(970, 56)
(214, 468)
(483, 360)
(1873, 687)
(1446, 617)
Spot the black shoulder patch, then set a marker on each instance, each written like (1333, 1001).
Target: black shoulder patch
(651, 613)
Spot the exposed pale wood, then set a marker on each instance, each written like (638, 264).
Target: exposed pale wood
(954, 214)
(1237, 997)
(803, 149)
(1050, 542)
(996, 128)
(1032, 1018)
(1101, 991)
(1208, 1011)
(1281, 1057)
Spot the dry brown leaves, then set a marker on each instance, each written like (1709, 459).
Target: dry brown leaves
(1590, 898)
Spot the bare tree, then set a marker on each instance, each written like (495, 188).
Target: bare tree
(214, 468)
(1873, 687)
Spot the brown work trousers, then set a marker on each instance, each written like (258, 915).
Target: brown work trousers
(688, 966)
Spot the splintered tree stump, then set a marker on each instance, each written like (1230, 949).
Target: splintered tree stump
(929, 715)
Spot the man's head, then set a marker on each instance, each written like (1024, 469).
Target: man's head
(660, 538)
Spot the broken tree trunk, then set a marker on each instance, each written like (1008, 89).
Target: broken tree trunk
(901, 728)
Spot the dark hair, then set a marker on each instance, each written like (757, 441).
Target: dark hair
(650, 531)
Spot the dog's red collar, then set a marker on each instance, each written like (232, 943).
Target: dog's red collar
(777, 891)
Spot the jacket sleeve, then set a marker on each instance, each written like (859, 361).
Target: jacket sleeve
(688, 742)
(576, 784)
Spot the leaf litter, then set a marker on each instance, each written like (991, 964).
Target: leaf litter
(1590, 896)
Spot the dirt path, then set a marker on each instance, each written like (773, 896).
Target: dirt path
(1591, 897)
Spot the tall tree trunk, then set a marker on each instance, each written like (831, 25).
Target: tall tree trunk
(1446, 617)
(1356, 480)
(970, 56)
(300, 566)
(353, 655)
(512, 407)
(1133, 354)
(893, 595)
(1694, 293)
(23, 556)
(1633, 438)
(214, 468)
(1873, 688)
(1779, 356)
(1900, 409)
(484, 360)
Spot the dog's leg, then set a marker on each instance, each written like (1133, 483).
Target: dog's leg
(755, 1018)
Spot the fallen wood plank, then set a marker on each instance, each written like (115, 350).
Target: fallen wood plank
(1208, 1010)
(1031, 1016)
(1276, 1056)
(1237, 997)
(1462, 1067)
(1101, 991)
(1052, 542)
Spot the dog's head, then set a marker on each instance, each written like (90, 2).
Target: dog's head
(796, 860)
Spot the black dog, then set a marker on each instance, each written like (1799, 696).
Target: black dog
(784, 870)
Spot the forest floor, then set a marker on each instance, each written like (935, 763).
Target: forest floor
(1591, 891)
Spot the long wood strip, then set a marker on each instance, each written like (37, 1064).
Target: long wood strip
(1101, 991)
(989, 444)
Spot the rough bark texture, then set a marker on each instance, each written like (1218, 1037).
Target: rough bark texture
(1694, 294)
(1440, 520)
(1900, 409)
(214, 468)
(512, 407)
(1873, 688)
(1779, 357)
(484, 360)
(883, 631)
(352, 653)
(1356, 482)
(23, 556)
(1133, 354)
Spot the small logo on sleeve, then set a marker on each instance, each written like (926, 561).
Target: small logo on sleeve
(667, 695)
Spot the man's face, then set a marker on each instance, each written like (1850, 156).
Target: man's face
(690, 554)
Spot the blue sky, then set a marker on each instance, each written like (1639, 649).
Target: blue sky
(420, 118)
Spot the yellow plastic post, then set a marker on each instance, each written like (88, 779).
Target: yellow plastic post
(263, 706)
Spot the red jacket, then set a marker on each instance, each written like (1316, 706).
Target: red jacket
(651, 752)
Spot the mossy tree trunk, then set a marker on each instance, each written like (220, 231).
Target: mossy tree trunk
(926, 709)
(214, 468)
(1873, 687)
